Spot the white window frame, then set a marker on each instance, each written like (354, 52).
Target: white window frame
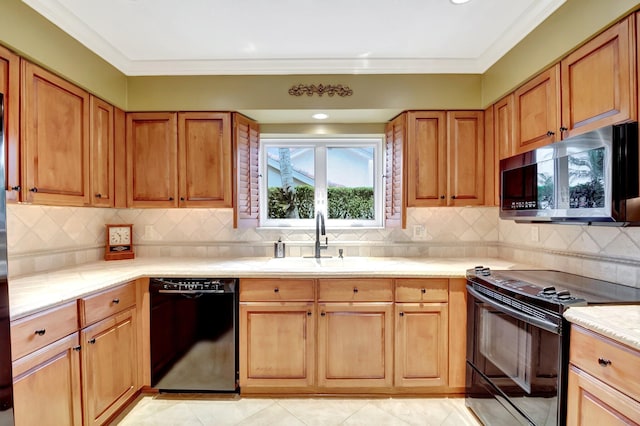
(321, 144)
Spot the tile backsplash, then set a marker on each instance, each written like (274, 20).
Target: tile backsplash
(42, 238)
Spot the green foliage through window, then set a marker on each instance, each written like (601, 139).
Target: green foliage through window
(344, 203)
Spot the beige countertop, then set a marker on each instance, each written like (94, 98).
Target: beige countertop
(618, 322)
(28, 294)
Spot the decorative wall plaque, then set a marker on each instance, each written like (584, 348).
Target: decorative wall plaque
(320, 89)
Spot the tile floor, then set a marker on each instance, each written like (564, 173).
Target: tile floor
(199, 411)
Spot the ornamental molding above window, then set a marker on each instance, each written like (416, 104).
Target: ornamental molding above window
(320, 89)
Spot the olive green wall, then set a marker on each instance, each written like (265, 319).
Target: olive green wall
(573, 23)
(31, 36)
(425, 91)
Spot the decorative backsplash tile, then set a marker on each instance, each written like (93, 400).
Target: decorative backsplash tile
(42, 238)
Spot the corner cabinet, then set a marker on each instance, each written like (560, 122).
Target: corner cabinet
(102, 140)
(277, 334)
(10, 87)
(152, 159)
(604, 381)
(355, 333)
(55, 132)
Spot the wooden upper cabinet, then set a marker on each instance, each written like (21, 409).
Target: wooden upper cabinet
(598, 81)
(503, 126)
(10, 88)
(394, 201)
(426, 160)
(246, 144)
(55, 132)
(152, 159)
(205, 159)
(465, 155)
(537, 111)
(102, 153)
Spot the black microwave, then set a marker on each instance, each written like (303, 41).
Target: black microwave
(592, 178)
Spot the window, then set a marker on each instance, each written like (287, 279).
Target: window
(339, 177)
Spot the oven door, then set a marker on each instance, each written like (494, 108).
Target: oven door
(513, 363)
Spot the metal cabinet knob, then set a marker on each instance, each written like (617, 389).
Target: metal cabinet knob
(98, 195)
(34, 189)
(276, 290)
(423, 290)
(116, 301)
(401, 314)
(77, 348)
(604, 362)
(308, 313)
(563, 129)
(550, 133)
(15, 188)
(92, 341)
(355, 289)
(40, 332)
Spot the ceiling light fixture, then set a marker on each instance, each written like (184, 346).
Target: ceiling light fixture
(460, 1)
(320, 116)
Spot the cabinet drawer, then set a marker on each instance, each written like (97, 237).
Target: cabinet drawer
(355, 290)
(35, 331)
(274, 290)
(422, 290)
(102, 305)
(614, 364)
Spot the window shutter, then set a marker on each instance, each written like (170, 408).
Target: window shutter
(395, 214)
(246, 194)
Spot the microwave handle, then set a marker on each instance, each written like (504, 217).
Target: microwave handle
(545, 325)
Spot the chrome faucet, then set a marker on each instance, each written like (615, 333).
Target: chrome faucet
(320, 230)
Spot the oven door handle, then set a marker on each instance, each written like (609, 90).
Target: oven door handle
(545, 325)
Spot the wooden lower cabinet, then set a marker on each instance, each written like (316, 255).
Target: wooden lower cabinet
(355, 345)
(592, 402)
(46, 385)
(421, 344)
(277, 344)
(109, 366)
(604, 381)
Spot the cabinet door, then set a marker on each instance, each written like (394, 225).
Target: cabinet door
(503, 128)
(395, 201)
(426, 160)
(465, 154)
(355, 345)
(205, 159)
(277, 344)
(55, 131)
(109, 366)
(537, 111)
(102, 153)
(46, 385)
(421, 349)
(10, 87)
(592, 402)
(598, 81)
(152, 159)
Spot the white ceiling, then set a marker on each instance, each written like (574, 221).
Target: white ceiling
(182, 37)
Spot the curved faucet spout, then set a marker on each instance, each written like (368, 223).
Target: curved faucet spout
(320, 230)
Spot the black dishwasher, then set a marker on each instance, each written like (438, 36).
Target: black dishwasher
(194, 334)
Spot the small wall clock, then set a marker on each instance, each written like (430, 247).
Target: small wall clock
(119, 242)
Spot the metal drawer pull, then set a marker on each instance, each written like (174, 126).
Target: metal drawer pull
(401, 314)
(355, 289)
(40, 332)
(92, 341)
(77, 348)
(423, 290)
(116, 301)
(604, 362)
(276, 290)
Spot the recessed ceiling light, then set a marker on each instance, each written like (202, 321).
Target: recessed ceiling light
(459, 1)
(320, 116)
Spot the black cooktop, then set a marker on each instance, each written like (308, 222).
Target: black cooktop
(557, 287)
